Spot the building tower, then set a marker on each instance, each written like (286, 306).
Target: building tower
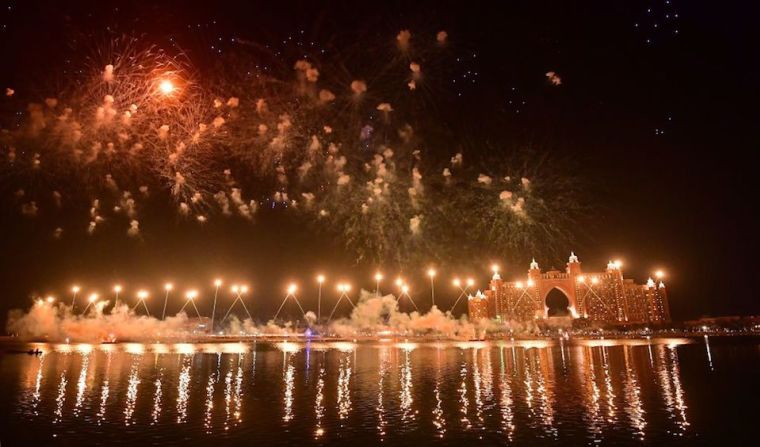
(477, 306)
(496, 294)
(616, 290)
(573, 270)
(657, 302)
(573, 266)
(533, 286)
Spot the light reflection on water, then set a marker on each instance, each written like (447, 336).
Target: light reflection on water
(183, 387)
(502, 392)
(132, 384)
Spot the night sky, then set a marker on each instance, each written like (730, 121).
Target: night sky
(656, 112)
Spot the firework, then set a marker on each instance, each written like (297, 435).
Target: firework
(342, 143)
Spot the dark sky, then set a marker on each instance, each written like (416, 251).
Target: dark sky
(657, 110)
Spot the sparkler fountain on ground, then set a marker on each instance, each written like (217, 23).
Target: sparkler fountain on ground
(191, 295)
(291, 293)
(431, 273)
(217, 284)
(404, 288)
(320, 280)
(74, 291)
(343, 288)
(142, 295)
(238, 291)
(458, 284)
(167, 289)
(90, 301)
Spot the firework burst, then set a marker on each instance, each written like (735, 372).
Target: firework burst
(346, 149)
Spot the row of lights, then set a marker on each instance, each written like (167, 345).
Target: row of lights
(659, 274)
(342, 287)
(242, 289)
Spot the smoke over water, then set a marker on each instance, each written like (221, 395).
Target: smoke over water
(373, 316)
(58, 323)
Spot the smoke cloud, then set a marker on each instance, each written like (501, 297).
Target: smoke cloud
(373, 315)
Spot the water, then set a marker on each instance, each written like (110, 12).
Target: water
(670, 391)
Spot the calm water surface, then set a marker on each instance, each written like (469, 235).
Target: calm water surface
(670, 391)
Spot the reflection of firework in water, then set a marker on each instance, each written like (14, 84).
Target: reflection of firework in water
(346, 150)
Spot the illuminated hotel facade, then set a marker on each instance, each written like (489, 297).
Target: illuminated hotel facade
(604, 297)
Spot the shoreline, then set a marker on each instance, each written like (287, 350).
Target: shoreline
(581, 340)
